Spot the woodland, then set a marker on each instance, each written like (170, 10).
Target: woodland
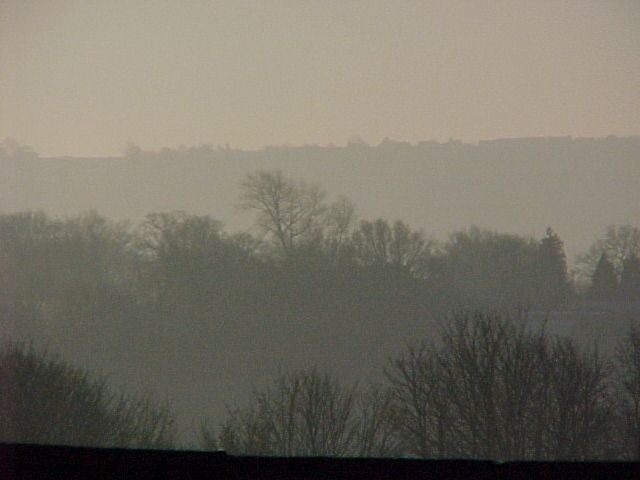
(459, 334)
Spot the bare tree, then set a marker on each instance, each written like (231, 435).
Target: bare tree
(143, 423)
(309, 413)
(305, 413)
(578, 412)
(379, 243)
(628, 384)
(377, 423)
(338, 223)
(497, 390)
(618, 243)
(289, 211)
(422, 411)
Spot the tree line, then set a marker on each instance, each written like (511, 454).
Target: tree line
(486, 386)
(179, 278)
(175, 260)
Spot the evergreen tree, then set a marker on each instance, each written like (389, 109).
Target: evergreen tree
(630, 279)
(553, 281)
(604, 282)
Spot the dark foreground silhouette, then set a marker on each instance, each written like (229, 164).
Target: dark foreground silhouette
(19, 461)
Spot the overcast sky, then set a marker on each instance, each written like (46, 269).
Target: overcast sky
(85, 77)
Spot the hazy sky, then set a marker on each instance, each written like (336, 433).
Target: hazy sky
(85, 77)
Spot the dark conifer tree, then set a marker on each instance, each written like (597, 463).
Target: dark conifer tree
(630, 279)
(604, 282)
(553, 281)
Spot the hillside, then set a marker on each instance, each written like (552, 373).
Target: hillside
(576, 185)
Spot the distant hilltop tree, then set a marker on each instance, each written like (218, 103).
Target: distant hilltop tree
(11, 148)
(131, 149)
(289, 211)
(294, 215)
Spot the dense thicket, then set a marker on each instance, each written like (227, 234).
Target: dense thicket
(181, 265)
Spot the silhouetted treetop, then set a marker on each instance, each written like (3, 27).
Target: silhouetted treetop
(289, 211)
(379, 243)
(604, 281)
(630, 279)
(553, 281)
